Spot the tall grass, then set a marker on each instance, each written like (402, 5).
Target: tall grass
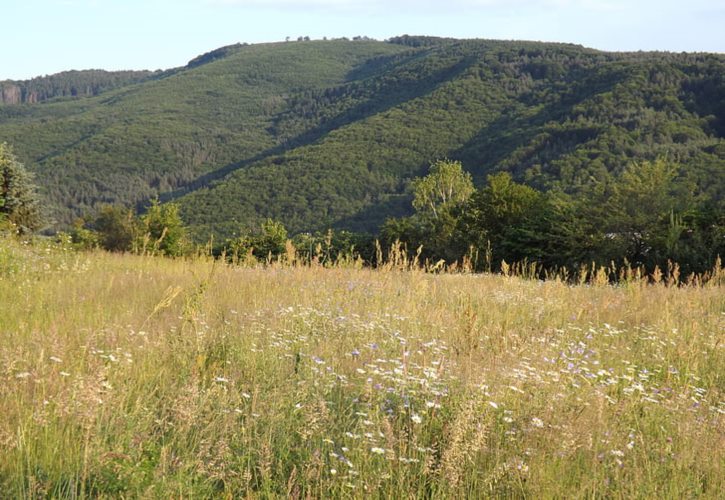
(134, 376)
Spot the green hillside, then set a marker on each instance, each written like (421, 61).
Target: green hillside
(329, 133)
(141, 140)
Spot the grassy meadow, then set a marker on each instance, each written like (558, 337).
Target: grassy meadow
(143, 377)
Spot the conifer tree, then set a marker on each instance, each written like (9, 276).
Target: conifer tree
(19, 203)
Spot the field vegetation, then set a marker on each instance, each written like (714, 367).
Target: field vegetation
(139, 376)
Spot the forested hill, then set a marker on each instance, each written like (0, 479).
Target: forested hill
(329, 133)
(67, 84)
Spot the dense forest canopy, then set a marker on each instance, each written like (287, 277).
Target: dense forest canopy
(331, 134)
(68, 84)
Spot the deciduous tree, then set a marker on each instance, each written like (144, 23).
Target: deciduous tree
(445, 186)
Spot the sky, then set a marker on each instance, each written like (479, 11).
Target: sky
(42, 37)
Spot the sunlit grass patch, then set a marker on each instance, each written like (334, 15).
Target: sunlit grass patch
(136, 376)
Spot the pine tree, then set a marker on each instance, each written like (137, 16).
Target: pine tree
(19, 202)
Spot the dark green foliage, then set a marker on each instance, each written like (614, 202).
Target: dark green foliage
(213, 55)
(500, 204)
(330, 247)
(266, 243)
(438, 199)
(644, 217)
(159, 230)
(636, 213)
(419, 41)
(83, 237)
(67, 84)
(504, 215)
(19, 203)
(161, 227)
(116, 226)
(271, 242)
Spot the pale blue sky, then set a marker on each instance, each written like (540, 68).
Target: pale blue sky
(47, 36)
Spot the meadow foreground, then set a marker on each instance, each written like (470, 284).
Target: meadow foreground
(128, 376)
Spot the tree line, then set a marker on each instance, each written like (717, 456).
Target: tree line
(647, 217)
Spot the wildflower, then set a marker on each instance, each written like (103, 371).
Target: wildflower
(377, 451)
(221, 380)
(416, 418)
(537, 422)
(333, 471)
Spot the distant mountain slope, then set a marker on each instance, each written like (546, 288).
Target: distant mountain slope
(321, 134)
(132, 143)
(67, 84)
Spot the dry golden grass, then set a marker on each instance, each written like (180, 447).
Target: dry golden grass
(129, 376)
